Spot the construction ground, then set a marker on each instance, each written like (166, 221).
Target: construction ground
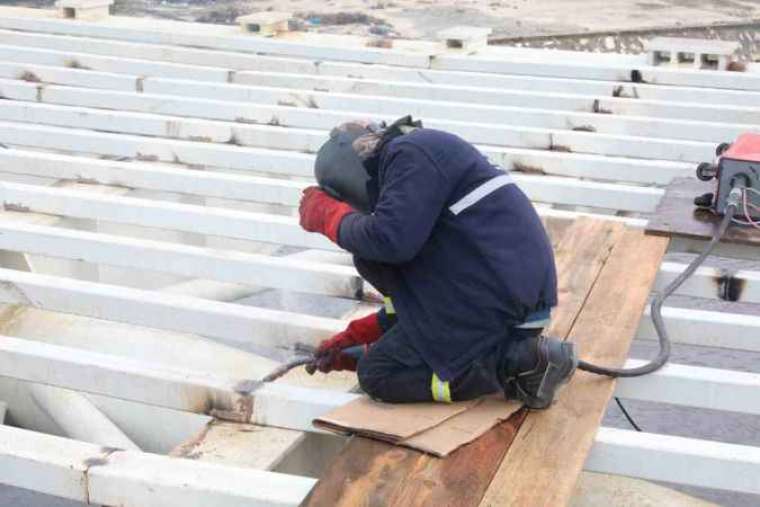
(103, 126)
(598, 25)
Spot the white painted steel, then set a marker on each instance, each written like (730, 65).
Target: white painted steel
(506, 62)
(613, 168)
(258, 328)
(162, 215)
(293, 407)
(568, 191)
(163, 61)
(593, 70)
(210, 289)
(208, 36)
(163, 386)
(723, 249)
(523, 106)
(694, 386)
(157, 149)
(152, 176)
(184, 260)
(115, 376)
(36, 74)
(79, 418)
(503, 135)
(542, 111)
(205, 131)
(706, 328)
(92, 474)
(526, 137)
(158, 346)
(679, 460)
(89, 62)
(158, 54)
(711, 282)
(148, 480)
(231, 266)
(51, 465)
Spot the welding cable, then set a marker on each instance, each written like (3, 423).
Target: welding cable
(658, 362)
(627, 415)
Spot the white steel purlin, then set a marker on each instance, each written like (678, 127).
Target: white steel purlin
(226, 38)
(255, 327)
(271, 135)
(165, 215)
(92, 474)
(161, 59)
(197, 262)
(231, 124)
(676, 459)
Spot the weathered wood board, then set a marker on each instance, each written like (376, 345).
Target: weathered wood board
(543, 463)
(677, 216)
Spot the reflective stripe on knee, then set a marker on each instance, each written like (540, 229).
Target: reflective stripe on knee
(389, 306)
(440, 389)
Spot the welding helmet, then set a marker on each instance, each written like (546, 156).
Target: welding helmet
(341, 164)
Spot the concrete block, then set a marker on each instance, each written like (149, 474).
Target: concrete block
(465, 37)
(265, 24)
(87, 10)
(700, 53)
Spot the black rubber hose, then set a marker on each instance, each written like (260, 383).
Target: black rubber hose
(656, 307)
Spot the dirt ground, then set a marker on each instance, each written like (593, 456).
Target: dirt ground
(423, 18)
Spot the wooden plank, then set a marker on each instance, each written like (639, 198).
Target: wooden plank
(677, 216)
(543, 463)
(375, 474)
(359, 475)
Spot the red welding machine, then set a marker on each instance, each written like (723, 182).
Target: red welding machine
(737, 165)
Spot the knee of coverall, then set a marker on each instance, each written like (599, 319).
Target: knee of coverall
(371, 382)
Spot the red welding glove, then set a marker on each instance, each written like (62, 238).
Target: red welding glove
(322, 213)
(329, 358)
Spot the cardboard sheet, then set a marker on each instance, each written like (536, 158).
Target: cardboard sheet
(463, 428)
(435, 428)
(386, 421)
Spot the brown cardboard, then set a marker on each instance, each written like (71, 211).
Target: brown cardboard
(435, 428)
(389, 422)
(463, 428)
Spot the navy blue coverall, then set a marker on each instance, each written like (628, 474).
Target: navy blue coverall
(463, 255)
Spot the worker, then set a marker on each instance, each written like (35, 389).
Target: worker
(461, 256)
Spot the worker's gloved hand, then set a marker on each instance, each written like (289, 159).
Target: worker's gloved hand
(322, 213)
(329, 355)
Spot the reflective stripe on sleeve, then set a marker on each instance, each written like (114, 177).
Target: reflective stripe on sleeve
(441, 391)
(480, 192)
(389, 309)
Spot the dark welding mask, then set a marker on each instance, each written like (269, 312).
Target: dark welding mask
(340, 167)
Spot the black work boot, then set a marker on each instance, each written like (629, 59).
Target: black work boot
(554, 363)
